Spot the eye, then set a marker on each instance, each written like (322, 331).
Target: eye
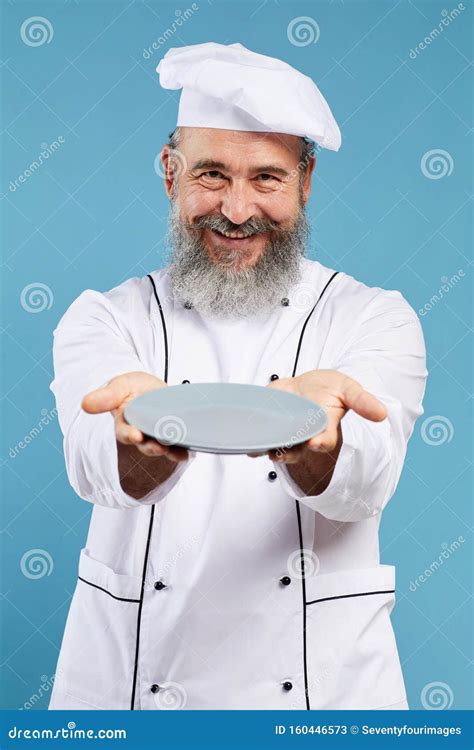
(267, 178)
(212, 174)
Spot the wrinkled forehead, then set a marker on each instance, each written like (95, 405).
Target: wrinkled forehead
(234, 147)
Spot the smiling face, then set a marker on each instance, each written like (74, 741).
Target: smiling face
(235, 188)
(237, 221)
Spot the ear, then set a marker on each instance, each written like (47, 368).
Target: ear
(307, 179)
(168, 171)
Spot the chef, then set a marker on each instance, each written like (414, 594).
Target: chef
(237, 582)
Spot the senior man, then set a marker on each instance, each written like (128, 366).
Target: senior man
(212, 581)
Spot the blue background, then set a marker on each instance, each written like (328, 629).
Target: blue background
(95, 213)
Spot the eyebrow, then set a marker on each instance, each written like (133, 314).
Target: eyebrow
(272, 168)
(208, 164)
(213, 164)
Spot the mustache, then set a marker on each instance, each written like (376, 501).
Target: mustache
(220, 223)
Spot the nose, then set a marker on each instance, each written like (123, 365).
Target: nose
(238, 203)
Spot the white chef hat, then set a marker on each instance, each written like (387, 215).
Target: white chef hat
(230, 87)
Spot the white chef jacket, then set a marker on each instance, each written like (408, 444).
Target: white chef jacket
(225, 587)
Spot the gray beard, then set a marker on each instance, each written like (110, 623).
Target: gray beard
(217, 291)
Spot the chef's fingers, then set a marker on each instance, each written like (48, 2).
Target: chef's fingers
(178, 455)
(283, 384)
(120, 390)
(362, 402)
(326, 441)
(126, 433)
(153, 448)
(110, 397)
(132, 436)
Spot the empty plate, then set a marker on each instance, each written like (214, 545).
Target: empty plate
(226, 417)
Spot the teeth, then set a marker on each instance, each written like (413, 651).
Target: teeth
(236, 235)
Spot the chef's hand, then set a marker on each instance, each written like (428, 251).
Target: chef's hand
(113, 398)
(337, 393)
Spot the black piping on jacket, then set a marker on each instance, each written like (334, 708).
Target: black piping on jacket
(106, 591)
(349, 596)
(298, 512)
(152, 513)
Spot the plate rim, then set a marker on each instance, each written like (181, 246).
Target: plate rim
(199, 446)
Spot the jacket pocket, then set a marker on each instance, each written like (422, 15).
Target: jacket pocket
(97, 659)
(352, 658)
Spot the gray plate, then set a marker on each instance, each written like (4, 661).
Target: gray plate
(226, 417)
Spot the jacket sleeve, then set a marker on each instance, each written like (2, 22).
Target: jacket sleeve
(386, 354)
(90, 348)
